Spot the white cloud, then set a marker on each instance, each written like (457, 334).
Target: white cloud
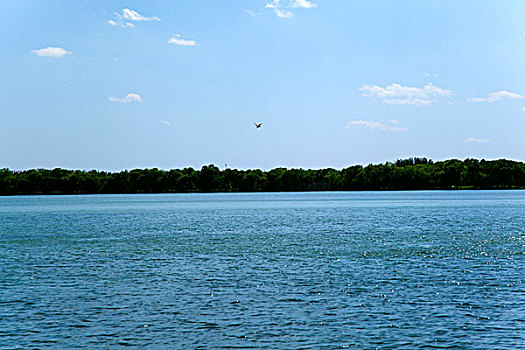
(279, 6)
(120, 24)
(283, 13)
(496, 96)
(272, 5)
(165, 122)
(126, 16)
(523, 109)
(353, 124)
(396, 94)
(475, 140)
(303, 4)
(177, 40)
(128, 99)
(250, 12)
(132, 15)
(56, 52)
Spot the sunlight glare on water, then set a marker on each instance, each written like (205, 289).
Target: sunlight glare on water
(368, 270)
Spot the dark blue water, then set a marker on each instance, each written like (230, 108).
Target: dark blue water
(382, 270)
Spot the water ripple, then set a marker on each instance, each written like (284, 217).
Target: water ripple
(418, 270)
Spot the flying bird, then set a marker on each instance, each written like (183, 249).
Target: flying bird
(257, 126)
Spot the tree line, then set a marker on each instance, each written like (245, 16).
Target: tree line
(404, 174)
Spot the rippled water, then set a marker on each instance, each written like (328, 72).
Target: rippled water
(366, 270)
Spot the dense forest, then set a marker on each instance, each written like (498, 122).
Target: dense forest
(404, 174)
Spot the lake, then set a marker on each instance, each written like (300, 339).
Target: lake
(332, 270)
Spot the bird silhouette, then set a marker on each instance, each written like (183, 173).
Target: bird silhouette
(257, 126)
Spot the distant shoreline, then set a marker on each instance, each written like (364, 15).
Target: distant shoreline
(263, 192)
(403, 175)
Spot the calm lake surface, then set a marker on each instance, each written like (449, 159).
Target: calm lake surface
(369, 270)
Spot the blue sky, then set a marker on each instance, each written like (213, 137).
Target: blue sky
(117, 85)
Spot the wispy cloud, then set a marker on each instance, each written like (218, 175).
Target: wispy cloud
(397, 94)
(129, 98)
(372, 125)
(120, 24)
(165, 122)
(306, 4)
(250, 12)
(50, 51)
(272, 5)
(475, 140)
(279, 7)
(177, 40)
(429, 75)
(125, 17)
(497, 96)
(283, 13)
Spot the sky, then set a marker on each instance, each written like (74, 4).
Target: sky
(115, 85)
